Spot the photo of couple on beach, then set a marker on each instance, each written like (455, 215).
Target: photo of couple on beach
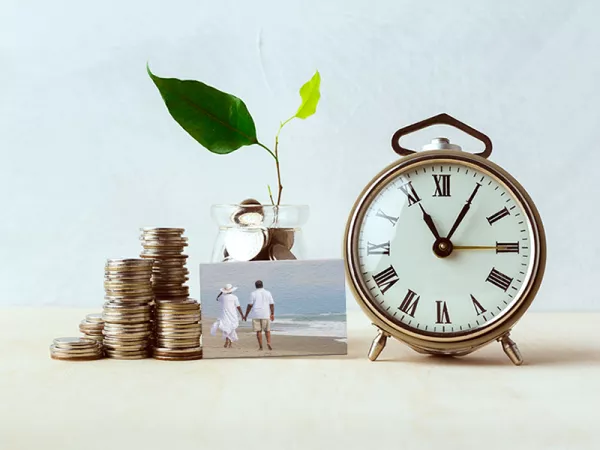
(273, 308)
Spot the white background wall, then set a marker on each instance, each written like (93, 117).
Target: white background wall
(90, 154)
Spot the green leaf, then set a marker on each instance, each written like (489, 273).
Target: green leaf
(310, 95)
(217, 120)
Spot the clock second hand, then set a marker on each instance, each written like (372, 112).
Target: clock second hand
(474, 247)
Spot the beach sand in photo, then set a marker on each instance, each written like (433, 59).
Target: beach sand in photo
(283, 345)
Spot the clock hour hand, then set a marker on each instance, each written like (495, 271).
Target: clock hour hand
(463, 212)
(429, 221)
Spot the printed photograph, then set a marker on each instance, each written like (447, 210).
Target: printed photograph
(273, 308)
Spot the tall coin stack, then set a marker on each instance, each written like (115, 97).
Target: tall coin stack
(177, 319)
(127, 312)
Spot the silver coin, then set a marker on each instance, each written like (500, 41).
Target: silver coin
(243, 244)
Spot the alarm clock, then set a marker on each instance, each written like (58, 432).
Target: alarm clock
(444, 250)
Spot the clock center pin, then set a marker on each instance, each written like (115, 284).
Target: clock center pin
(442, 247)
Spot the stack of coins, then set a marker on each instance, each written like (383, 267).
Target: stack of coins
(177, 318)
(178, 330)
(92, 327)
(252, 240)
(127, 312)
(165, 247)
(75, 349)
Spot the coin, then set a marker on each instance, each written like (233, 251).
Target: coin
(162, 230)
(283, 236)
(250, 212)
(193, 357)
(243, 244)
(74, 342)
(74, 358)
(278, 252)
(96, 318)
(128, 355)
(170, 351)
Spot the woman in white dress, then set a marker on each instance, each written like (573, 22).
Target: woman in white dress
(228, 321)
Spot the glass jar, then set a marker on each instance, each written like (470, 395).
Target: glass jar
(254, 232)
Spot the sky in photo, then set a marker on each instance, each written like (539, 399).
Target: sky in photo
(310, 287)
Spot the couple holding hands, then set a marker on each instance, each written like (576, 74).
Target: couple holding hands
(261, 305)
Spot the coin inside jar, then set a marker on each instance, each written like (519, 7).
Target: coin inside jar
(243, 244)
(278, 252)
(250, 213)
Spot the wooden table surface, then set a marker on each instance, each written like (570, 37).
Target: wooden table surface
(403, 401)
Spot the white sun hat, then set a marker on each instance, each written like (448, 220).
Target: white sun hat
(228, 289)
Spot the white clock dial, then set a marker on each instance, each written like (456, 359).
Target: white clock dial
(465, 279)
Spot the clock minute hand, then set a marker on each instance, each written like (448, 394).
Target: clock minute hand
(463, 212)
(429, 221)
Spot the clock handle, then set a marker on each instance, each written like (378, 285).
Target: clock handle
(440, 119)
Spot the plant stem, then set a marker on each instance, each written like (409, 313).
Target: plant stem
(267, 149)
(271, 195)
(280, 187)
(275, 155)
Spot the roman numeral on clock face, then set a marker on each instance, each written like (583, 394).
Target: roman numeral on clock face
(478, 308)
(507, 247)
(498, 279)
(410, 192)
(442, 185)
(442, 312)
(497, 216)
(386, 279)
(409, 304)
(378, 249)
(392, 219)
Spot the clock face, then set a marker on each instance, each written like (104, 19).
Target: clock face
(444, 248)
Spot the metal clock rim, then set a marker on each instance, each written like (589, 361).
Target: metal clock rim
(478, 337)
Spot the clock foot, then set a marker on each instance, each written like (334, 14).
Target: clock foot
(511, 350)
(378, 345)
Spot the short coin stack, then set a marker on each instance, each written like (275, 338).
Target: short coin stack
(177, 318)
(92, 327)
(127, 312)
(178, 330)
(75, 349)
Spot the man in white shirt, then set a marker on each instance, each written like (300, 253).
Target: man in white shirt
(263, 312)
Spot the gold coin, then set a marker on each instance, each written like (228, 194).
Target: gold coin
(118, 307)
(127, 335)
(283, 236)
(175, 335)
(72, 358)
(162, 230)
(127, 300)
(165, 328)
(179, 358)
(278, 252)
(137, 355)
(129, 331)
(145, 283)
(170, 351)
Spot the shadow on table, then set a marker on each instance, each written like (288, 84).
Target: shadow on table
(490, 356)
